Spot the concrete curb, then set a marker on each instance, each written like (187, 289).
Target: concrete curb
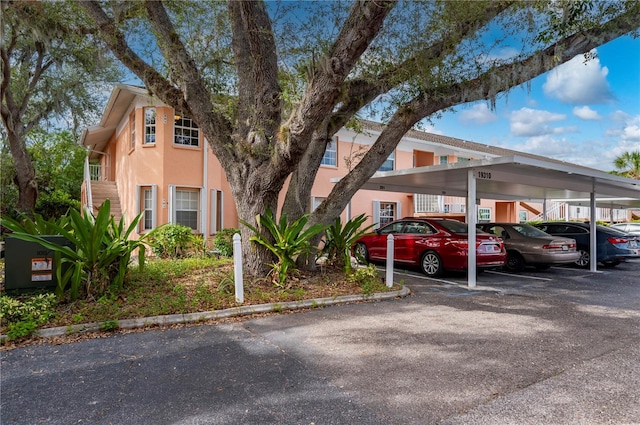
(175, 319)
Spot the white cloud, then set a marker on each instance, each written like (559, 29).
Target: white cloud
(546, 145)
(478, 114)
(532, 122)
(586, 113)
(628, 130)
(588, 154)
(579, 82)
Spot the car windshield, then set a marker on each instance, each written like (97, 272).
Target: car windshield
(529, 231)
(454, 226)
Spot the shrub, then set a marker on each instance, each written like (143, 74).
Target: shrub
(369, 278)
(56, 204)
(100, 254)
(22, 318)
(339, 240)
(286, 241)
(223, 241)
(174, 241)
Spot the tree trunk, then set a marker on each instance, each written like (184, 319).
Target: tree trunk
(25, 177)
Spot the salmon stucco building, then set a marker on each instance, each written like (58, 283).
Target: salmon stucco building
(147, 159)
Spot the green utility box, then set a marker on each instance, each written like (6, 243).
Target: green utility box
(29, 265)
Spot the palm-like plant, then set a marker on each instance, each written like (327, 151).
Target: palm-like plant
(628, 164)
(100, 253)
(285, 241)
(340, 239)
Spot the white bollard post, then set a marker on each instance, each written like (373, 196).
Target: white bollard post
(389, 276)
(237, 268)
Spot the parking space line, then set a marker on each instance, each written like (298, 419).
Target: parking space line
(520, 275)
(426, 278)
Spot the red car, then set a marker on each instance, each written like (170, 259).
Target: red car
(434, 245)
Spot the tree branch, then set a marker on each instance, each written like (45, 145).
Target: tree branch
(154, 81)
(361, 27)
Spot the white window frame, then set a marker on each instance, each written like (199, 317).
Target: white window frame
(444, 159)
(132, 130)
(316, 201)
(330, 157)
(141, 207)
(391, 159)
(173, 201)
(150, 127)
(377, 208)
(182, 129)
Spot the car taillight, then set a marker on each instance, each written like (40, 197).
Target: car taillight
(617, 240)
(463, 243)
(557, 245)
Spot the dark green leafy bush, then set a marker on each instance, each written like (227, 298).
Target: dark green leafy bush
(175, 241)
(223, 241)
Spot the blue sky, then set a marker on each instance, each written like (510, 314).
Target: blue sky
(583, 113)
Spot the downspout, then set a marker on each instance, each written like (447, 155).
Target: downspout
(87, 183)
(205, 192)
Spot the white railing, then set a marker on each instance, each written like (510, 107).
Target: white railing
(438, 204)
(561, 211)
(95, 171)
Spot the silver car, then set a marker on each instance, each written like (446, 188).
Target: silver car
(528, 246)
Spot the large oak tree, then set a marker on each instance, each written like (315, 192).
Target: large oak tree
(51, 75)
(269, 84)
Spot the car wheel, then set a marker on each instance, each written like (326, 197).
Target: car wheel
(610, 264)
(361, 253)
(584, 259)
(431, 264)
(515, 262)
(543, 266)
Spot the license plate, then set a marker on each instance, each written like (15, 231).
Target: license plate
(491, 248)
(633, 244)
(565, 248)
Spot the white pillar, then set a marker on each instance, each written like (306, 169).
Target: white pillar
(237, 268)
(389, 275)
(471, 223)
(593, 247)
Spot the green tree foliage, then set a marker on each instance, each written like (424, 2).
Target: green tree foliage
(59, 165)
(53, 75)
(628, 165)
(270, 83)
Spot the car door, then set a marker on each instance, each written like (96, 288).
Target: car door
(378, 247)
(415, 239)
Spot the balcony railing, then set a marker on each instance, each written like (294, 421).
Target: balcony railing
(98, 173)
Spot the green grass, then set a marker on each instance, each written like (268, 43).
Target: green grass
(187, 286)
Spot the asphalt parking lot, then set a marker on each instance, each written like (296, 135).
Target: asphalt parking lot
(553, 347)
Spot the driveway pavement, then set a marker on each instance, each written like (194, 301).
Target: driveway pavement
(554, 347)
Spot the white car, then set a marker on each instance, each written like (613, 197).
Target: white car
(633, 228)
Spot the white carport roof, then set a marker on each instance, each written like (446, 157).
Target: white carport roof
(512, 178)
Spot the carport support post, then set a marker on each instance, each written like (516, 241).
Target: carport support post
(389, 275)
(471, 223)
(593, 247)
